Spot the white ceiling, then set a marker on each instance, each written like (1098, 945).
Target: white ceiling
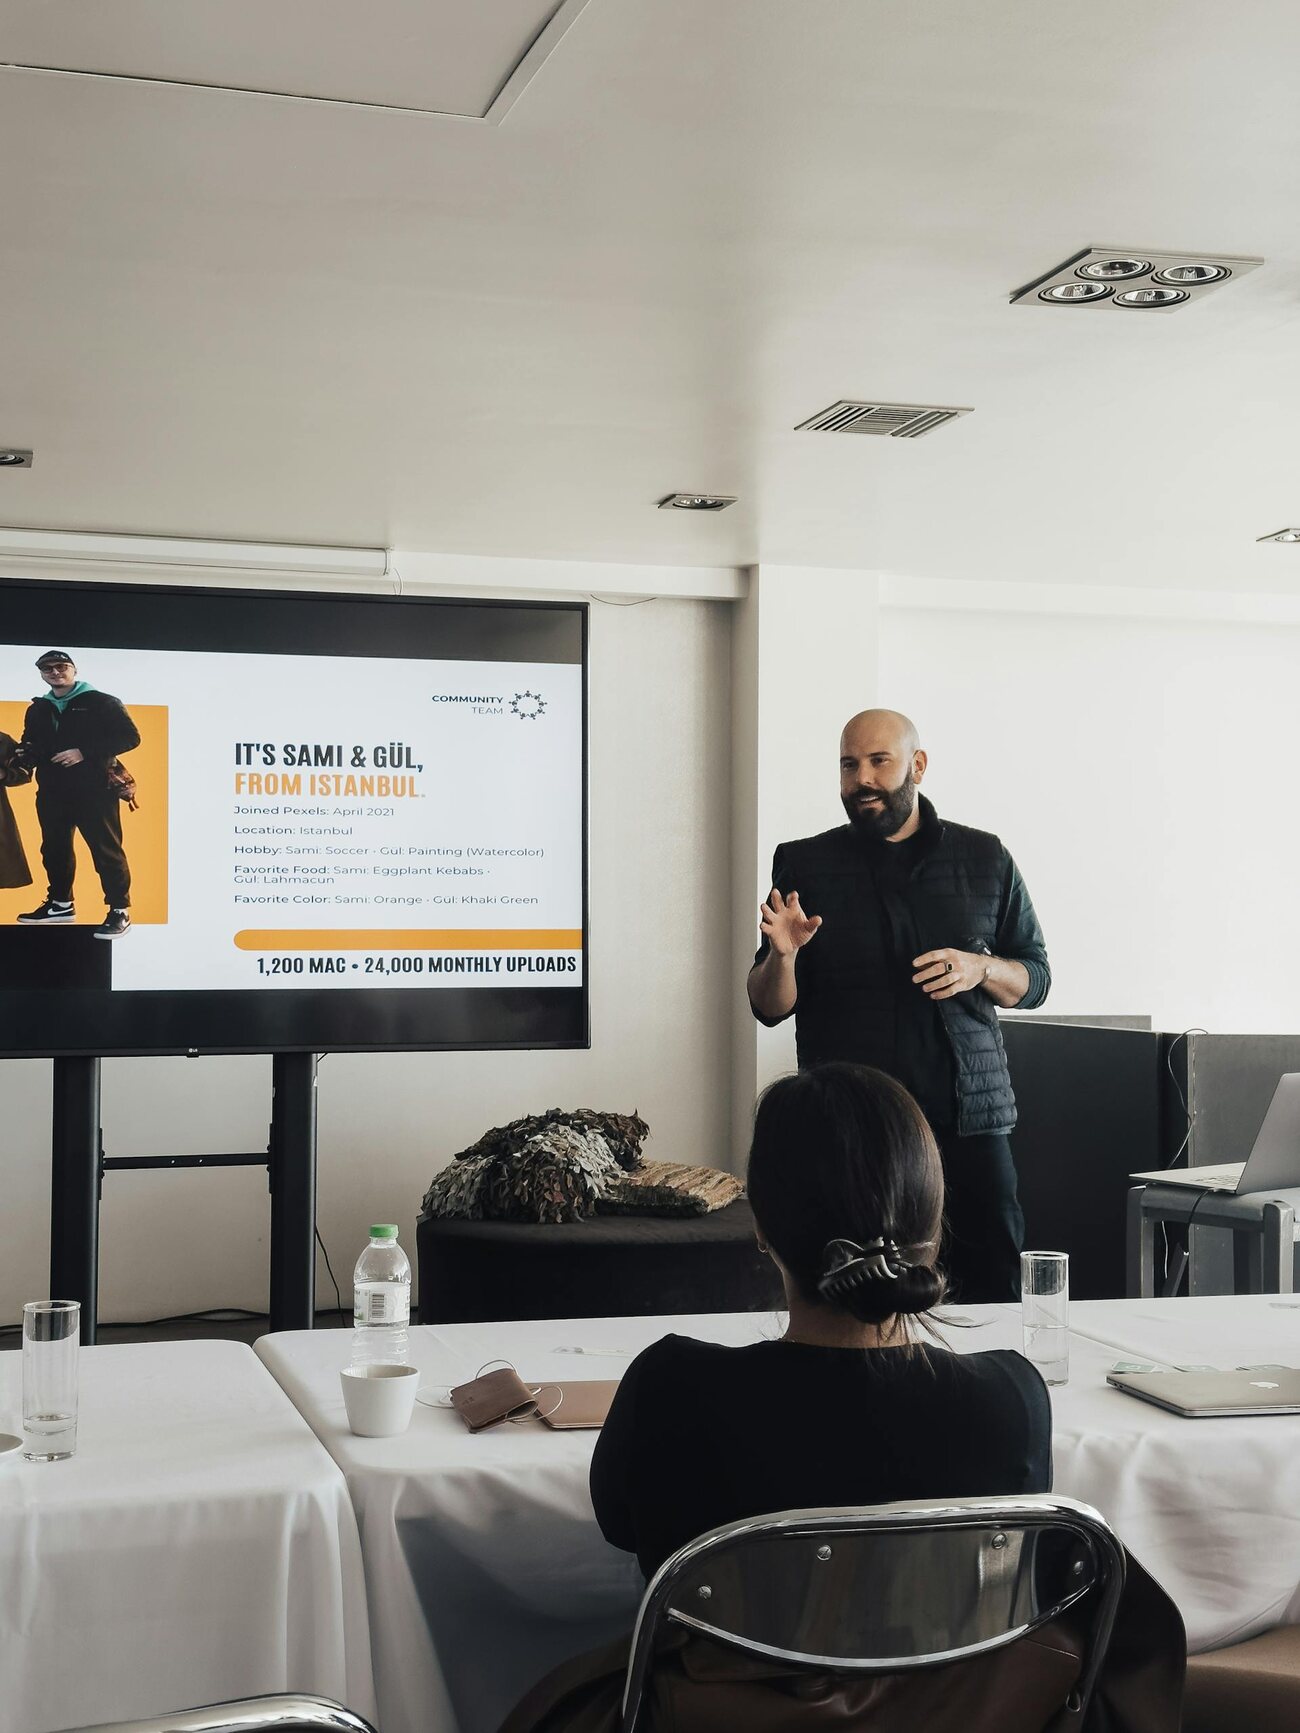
(445, 56)
(703, 221)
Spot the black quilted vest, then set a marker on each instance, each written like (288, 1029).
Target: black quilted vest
(964, 891)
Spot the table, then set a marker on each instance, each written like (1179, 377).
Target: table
(1211, 1507)
(200, 1545)
(1206, 1329)
(1262, 1226)
(485, 1567)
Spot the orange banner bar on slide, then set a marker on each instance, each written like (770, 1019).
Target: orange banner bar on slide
(448, 939)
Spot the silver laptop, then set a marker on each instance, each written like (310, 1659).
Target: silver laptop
(1273, 1163)
(1205, 1395)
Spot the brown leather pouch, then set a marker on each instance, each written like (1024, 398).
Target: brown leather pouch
(583, 1404)
(496, 1396)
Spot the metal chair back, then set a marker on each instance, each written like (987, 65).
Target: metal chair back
(886, 1588)
(285, 1713)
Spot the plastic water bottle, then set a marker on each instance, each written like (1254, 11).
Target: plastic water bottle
(381, 1301)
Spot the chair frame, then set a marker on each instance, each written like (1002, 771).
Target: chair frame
(1030, 1514)
(284, 1712)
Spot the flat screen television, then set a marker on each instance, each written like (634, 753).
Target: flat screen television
(338, 822)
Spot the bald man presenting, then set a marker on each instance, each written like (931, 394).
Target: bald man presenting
(892, 940)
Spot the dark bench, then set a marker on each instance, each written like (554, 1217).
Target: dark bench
(606, 1266)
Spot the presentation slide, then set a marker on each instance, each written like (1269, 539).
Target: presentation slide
(369, 817)
(414, 822)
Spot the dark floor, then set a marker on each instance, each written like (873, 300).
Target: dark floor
(230, 1327)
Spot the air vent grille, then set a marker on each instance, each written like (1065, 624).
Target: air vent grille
(885, 420)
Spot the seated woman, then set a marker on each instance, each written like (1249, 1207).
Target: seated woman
(856, 1404)
(852, 1405)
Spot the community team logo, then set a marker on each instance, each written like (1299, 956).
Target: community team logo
(527, 706)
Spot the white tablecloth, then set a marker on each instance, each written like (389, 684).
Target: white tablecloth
(1212, 1507)
(485, 1566)
(200, 1545)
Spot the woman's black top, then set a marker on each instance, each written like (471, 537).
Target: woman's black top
(701, 1435)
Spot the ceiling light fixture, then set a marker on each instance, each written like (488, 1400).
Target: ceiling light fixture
(1193, 274)
(1152, 297)
(1291, 535)
(1139, 276)
(696, 501)
(1110, 269)
(12, 457)
(1076, 294)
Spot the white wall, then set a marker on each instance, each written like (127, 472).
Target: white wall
(804, 653)
(1136, 755)
(660, 993)
(1142, 771)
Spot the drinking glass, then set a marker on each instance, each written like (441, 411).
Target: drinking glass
(1045, 1312)
(51, 1334)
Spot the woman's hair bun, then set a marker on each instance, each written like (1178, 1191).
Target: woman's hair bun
(919, 1288)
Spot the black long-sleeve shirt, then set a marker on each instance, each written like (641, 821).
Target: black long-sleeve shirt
(700, 1435)
(882, 905)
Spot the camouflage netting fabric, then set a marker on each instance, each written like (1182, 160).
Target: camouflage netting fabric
(548, 1167)
(623, 1133)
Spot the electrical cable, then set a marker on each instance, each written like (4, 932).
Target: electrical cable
(213, 1315)
(1182, 1099)
(338, 1297)
(1174, 1277)
(1187, 1133)
(320, 1060)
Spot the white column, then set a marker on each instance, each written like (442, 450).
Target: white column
(804, 659)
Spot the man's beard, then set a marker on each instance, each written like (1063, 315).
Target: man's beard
(889, 817)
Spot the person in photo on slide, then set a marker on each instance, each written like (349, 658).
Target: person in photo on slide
(892, 940)
(71, 735)
(14, 871)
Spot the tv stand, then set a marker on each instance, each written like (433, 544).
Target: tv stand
(78, 1166)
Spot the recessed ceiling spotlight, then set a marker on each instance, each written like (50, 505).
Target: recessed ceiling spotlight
(696, 501)
(1077, 293)
(1291, 535)
(1140, 276)
(1109, 269)
(11, 457)
(1193, 274)
(1152, 297)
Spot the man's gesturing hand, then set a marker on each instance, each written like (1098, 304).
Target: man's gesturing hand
(785, 926)
(68, 758)
(942, 974)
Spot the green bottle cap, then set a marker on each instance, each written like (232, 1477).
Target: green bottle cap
(385, 1231)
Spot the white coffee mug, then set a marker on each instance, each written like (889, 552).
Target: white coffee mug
(379, 1399)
